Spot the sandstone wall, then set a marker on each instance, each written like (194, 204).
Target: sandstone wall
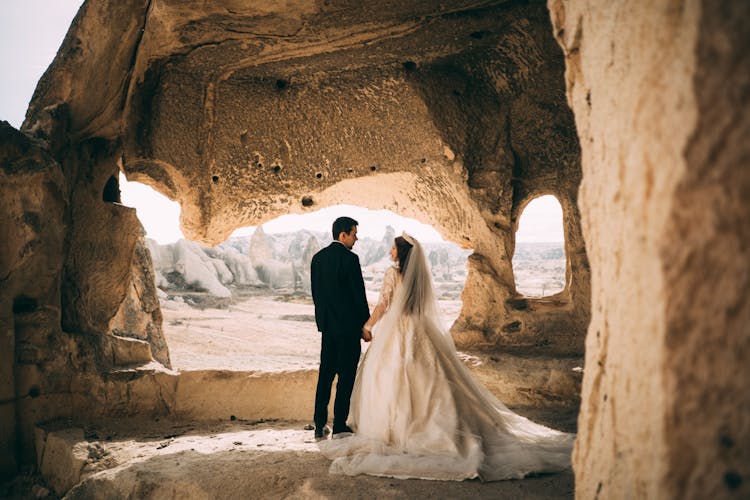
(659, 92)
(247, 113)
(108, 287)
(452, 113)
(706, 251)
(32, 233)
(72, 277)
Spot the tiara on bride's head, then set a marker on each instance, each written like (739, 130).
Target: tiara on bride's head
(408, 238)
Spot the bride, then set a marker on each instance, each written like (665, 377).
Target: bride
(416, 410)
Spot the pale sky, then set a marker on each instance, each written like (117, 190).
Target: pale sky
(160, 217)
(541, 221)
(31, 32)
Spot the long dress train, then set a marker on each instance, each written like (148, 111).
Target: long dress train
(416, 410)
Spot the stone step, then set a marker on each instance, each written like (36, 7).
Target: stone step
(518, 381)
(542, 388)
(126, 351)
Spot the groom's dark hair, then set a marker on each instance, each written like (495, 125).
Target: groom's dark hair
(343, 224)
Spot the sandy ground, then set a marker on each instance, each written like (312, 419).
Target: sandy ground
(257, 333)
(243, 459)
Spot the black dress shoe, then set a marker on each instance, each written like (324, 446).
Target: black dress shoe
(321, 432)
(339, 430)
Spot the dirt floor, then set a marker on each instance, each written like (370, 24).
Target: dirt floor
(245, 460)
(257, 333)
(239, 459)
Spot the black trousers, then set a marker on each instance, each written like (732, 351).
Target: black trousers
(339, 355)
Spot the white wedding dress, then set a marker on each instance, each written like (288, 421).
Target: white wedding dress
(417, 412)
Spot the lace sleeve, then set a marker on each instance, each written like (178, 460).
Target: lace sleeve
(390, 281)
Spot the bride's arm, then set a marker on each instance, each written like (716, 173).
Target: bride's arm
(384, 302)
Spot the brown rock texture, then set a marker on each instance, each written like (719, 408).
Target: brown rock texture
(67, 265)
(705, 254)
(32, 233)
(660, 93)
(108, 288)
(139, 316)
(454, 113)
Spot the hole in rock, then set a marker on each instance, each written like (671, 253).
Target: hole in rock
(307, 201)
(158, 214)
(277, 168)
(24, 305)
(319, 175)
(281, 84)
(539, 260)
(732, 480)
(410, 65)
(111, 193)
(215, 178)
(264, 318)
(245, 304)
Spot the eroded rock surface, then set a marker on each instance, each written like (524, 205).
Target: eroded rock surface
(62, 284)
(453, 113)
(238, 459)
(660, 96)
(32, 233)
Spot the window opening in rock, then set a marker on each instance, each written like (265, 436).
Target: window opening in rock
(111, 192)
(256, 311)
(159, 215)
(245, 304)
(539, 260)
(24, 305)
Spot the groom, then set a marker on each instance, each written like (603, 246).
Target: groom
(341, 311)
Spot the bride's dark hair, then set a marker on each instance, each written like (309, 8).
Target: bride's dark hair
(402, 252)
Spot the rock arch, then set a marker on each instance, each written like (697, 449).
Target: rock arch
(478, 121)
(242, 112)
(524, 214)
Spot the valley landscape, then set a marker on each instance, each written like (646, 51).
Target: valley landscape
(245, 304)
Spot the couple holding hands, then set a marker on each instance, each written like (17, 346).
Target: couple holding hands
(411, 409)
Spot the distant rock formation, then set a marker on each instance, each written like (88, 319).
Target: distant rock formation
(239, 265)
(276, 274)
(278, 262)
(187, 265)
(260, 249)
(311, 248)
(380, 251)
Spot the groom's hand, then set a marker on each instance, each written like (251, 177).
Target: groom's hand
(366, 335)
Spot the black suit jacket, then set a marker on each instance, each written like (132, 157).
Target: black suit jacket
(338, 291)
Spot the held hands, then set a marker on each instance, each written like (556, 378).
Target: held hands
(366, 334)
